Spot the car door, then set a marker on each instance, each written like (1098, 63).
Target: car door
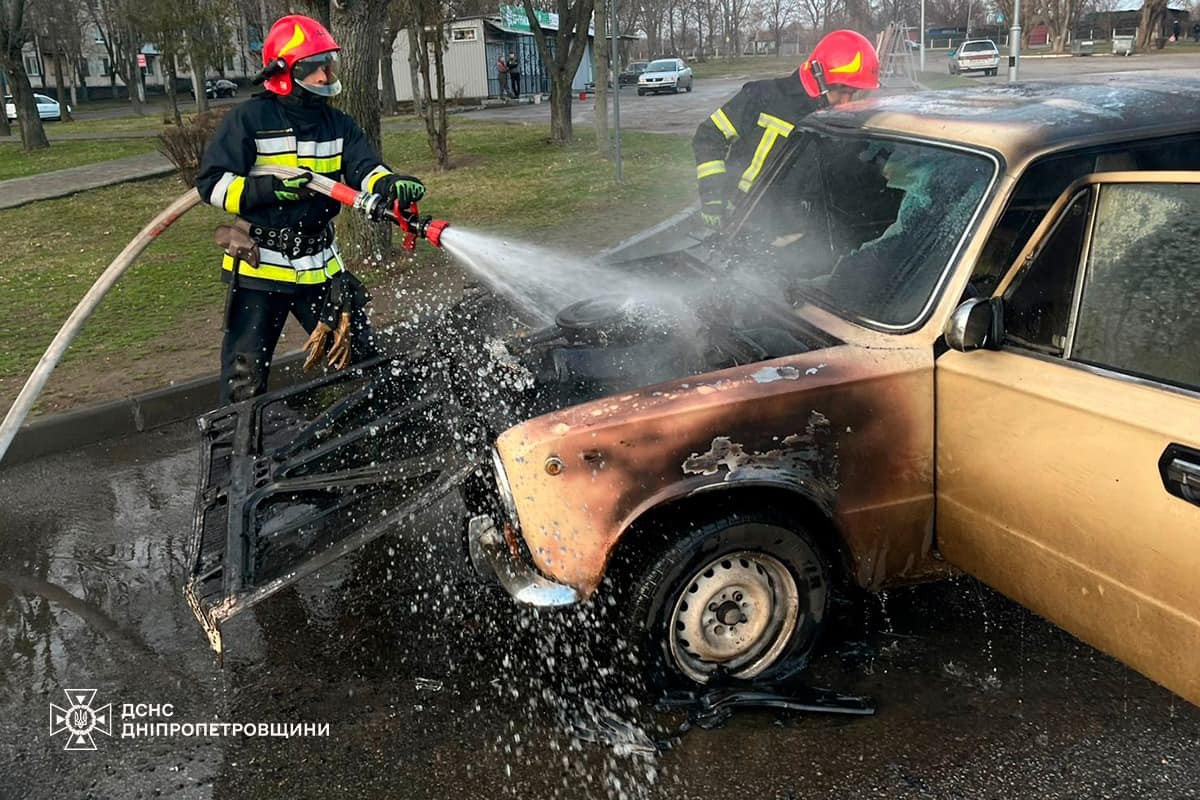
(1068, 454)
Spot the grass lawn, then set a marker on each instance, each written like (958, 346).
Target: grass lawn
(151, 124)
(162, 322)
(16, 163)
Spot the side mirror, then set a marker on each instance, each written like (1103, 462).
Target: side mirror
(973, 325)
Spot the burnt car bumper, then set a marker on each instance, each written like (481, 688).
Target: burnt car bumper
(493, 559)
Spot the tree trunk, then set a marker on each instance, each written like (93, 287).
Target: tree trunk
(390, 106)
(59, 84)
(198, 70)
(133, 82)
(414, 69)
(561, 128)
(33, 135)
(172, 79)
(431, 32)
(5, 128)
(355, 26)
(601, 49)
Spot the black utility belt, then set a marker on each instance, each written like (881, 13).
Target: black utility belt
(291, 242)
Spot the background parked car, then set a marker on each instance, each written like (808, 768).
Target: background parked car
(48, 107)
(975, 55)
(665, 75)
(629, 75)
(219, 88)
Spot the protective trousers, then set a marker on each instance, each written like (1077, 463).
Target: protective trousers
(256, 319)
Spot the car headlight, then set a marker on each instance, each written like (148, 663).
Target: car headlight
(505, 489)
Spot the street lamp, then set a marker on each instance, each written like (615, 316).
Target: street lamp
(922, 35)
(1014, 43)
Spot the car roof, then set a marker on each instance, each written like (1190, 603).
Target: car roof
(1024, 120)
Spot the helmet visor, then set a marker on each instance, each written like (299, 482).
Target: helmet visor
(319, 74)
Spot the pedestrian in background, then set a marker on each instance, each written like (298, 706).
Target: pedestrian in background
(1175, 30)
(502, 73)
(1196, 31)
(514, 74)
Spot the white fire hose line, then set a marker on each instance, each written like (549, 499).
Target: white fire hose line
(70, 329)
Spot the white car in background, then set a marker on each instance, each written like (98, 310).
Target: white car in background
(665, 75)
(980, 55)
(48, 107)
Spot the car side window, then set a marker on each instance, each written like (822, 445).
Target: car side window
(1139, 304)
(1037, 305)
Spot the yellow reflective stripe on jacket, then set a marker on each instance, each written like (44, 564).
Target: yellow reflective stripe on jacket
(330, 164)
(272, 272)
(773, 128)
(709, 168)
(721, 120)
(280, 160)
(233, 195)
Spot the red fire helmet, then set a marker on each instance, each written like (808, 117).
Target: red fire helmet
(294, 38)
(847, 58)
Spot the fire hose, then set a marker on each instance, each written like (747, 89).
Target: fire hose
(373, 206)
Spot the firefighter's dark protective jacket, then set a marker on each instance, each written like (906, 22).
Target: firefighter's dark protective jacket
(734, 143)
(271, 131)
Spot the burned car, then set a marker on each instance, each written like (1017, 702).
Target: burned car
(943, 332)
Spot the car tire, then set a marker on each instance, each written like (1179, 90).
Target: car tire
(641, 92)
(765, 568)
(689, 87)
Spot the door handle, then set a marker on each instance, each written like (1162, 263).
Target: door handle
(1180, 470)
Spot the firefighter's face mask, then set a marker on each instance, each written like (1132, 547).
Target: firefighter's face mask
(318, 74)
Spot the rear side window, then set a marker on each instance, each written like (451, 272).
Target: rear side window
(1139, 309)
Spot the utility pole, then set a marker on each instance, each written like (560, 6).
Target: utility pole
(1014, 44)
(615, 33)
(922, 34)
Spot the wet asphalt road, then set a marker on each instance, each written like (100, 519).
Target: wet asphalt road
(434, 687)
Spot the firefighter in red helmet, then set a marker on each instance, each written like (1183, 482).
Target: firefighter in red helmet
(733, 144)
(297, 268)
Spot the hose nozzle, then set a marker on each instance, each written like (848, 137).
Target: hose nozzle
(416, 226)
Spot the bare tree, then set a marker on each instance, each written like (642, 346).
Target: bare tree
(1149, 22)
(14, 32)
(119, 25)
(430, 25)
(58, 26)
(570, 43)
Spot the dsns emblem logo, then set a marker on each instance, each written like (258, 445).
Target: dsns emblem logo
(79, 719)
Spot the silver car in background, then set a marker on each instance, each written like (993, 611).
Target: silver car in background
(665, 75)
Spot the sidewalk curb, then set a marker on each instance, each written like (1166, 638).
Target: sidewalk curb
(57, 433)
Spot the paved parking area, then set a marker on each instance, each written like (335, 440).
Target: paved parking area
(681, 113)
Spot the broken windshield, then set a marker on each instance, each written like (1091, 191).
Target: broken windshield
(867, 227)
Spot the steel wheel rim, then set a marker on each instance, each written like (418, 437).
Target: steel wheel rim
(735, 614)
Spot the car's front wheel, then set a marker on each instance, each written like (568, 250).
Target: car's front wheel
(641, 92)
(742, 597)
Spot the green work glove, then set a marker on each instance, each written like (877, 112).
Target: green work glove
(403, 188)
(289, 190)
(712, 212)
